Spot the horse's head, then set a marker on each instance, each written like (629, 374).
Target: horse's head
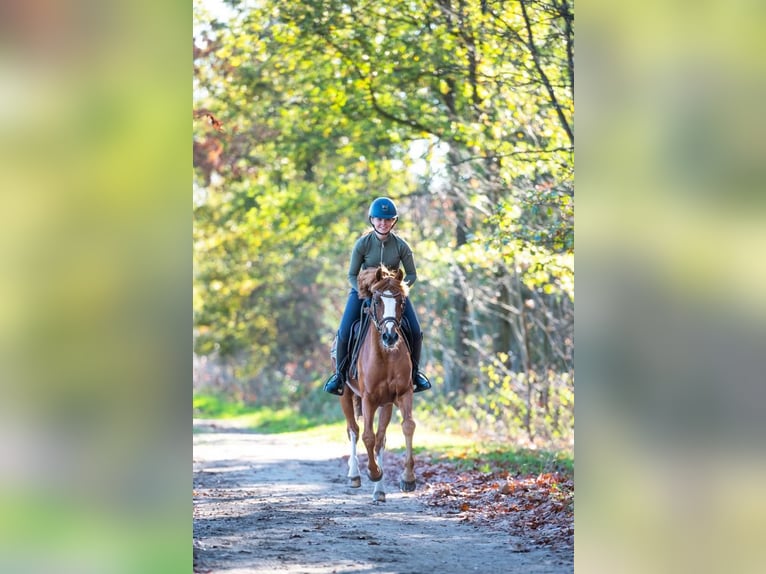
(388, 294)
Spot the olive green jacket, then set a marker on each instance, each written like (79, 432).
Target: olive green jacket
(369, 251)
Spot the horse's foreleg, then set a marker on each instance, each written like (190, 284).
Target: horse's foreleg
(407, 479)
(352, 430)
(368, 437)
(354, 478)
(378, 494)
(383, 419)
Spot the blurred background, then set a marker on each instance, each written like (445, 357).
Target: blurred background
(670, 318)
(94, 291)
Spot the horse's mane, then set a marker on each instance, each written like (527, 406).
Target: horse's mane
(378, 278)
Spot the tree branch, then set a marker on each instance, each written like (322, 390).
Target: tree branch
(536, 58)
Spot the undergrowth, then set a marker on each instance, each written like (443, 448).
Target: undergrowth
(260, 418)
(439, 437)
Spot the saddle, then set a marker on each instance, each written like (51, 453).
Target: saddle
(359, 329)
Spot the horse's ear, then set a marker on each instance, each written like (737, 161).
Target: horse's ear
(399, 274)
(378, 274)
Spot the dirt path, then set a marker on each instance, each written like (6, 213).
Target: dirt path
(274, 503)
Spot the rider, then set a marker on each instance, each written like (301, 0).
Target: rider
(379, 246)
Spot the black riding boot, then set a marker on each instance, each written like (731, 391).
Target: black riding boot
(336, 382)
(420, 381)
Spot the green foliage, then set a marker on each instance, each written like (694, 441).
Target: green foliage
(518, 407)
(542, 406)
(461, 113)
(259, 418)
(211, 406)
(494, 457)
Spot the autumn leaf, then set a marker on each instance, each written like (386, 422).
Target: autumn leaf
(538, 507)
(215, 122)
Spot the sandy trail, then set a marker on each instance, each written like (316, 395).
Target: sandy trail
(279, 503)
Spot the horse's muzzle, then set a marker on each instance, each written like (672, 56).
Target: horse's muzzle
(389, 339)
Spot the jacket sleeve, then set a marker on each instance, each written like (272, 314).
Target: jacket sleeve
(408, 262)
(355, 265)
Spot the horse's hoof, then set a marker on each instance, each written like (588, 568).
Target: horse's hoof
(407, 486)
(378, 497)
(355, 482)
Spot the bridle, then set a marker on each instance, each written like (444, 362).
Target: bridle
(381, 324)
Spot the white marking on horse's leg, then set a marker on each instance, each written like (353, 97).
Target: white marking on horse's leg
(378, 493)
(353, 461)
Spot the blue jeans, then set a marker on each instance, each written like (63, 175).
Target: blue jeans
(354, 308)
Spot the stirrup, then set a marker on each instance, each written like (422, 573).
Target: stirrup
(333, 385)
(421, 382)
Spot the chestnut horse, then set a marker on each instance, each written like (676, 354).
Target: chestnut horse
(383, 379)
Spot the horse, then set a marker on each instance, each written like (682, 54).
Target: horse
(383, 379)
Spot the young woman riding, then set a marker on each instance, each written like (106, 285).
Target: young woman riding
(379, 246)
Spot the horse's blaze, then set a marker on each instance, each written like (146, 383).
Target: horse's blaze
(389, 305)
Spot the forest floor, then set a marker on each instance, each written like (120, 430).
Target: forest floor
(273, 503)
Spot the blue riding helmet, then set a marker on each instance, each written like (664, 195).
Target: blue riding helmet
(383, 208)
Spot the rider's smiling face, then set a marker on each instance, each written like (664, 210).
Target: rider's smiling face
(382, 226)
